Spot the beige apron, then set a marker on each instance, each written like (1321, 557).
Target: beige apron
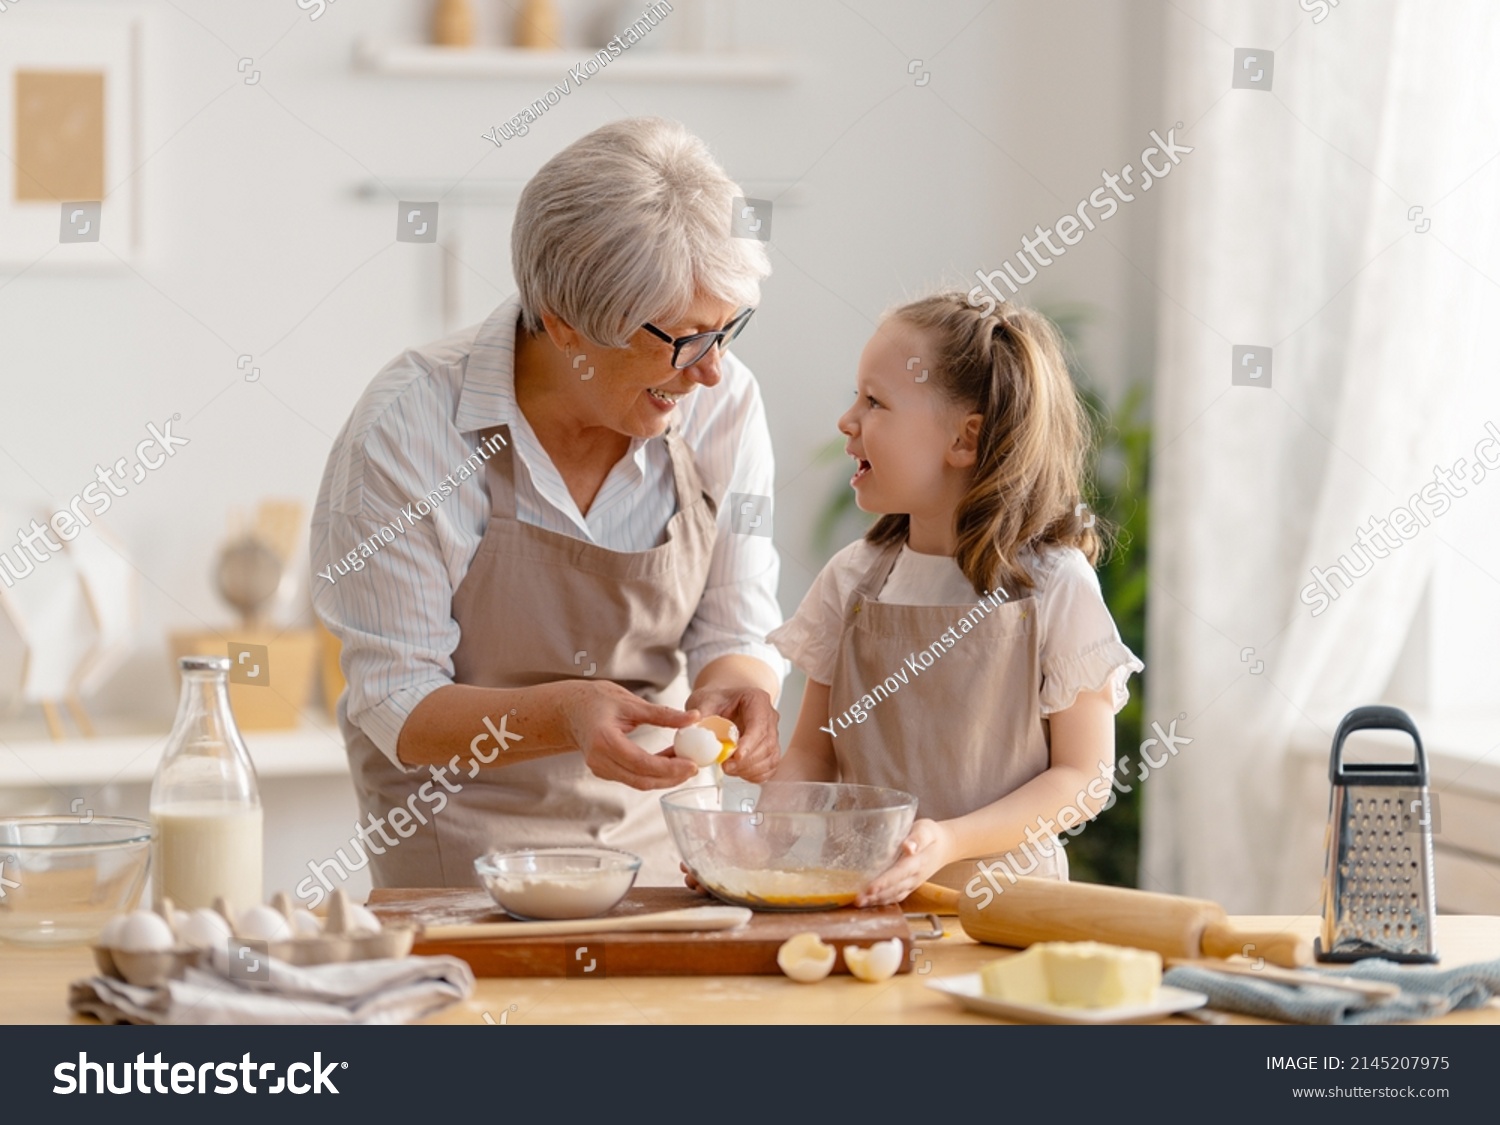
(537, 606)
(959, 732)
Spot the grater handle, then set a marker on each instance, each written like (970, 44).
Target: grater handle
(1377, 717)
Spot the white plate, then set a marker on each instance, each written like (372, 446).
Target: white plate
(966, 989)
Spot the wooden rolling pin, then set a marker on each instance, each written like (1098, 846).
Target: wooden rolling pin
(692, 918)
(1048, 910)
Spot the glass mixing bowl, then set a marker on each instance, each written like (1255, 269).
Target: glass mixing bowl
(61, 879)
(788, 845)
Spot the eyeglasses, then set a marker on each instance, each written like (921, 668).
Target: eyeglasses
(688, 350)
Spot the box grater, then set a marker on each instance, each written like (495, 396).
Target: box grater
(1378, 898)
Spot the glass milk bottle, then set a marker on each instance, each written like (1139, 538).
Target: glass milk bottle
(204, 802)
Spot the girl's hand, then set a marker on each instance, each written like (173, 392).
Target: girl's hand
(923, 853)
(692, 884)
(759, 750)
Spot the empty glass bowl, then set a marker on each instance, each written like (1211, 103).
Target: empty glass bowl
(550, 883)
(788, 845)
(62, 879)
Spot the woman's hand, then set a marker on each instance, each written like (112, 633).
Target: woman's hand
(600, 713)
(750, 709)
(923, 853)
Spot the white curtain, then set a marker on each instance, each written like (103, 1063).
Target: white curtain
(1291, 227)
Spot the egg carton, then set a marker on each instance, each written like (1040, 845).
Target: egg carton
(345, 935)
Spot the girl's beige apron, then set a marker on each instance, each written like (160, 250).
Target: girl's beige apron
(537, 606)
(960, 730)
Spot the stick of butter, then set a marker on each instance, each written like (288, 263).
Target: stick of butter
(1082, 974)
(1019, 979)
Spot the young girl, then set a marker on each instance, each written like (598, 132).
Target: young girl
(961, 651)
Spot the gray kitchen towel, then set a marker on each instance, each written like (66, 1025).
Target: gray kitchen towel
(353, 992)
(1425, 992)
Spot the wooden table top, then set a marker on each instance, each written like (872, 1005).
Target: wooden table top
(33, 988)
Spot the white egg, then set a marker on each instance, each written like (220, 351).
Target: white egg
(204, 929)
(358, 921)
(697, 745)
(264, 924)
(874, 964)
(306, 924)
(109, 937)
(144, 932)
(805, 958)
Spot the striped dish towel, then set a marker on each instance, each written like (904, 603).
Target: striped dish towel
(1425, 992)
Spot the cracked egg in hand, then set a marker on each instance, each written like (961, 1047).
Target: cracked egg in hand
(709, 742)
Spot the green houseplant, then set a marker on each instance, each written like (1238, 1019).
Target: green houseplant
(1108, 850)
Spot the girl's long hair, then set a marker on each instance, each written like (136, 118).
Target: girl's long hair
(1034, 444)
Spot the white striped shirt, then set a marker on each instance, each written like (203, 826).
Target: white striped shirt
(417, 422)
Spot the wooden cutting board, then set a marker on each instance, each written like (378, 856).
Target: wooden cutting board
(750, 949)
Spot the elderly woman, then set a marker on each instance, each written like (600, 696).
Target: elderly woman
(523, 537)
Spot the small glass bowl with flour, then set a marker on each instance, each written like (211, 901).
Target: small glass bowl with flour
(542, 884)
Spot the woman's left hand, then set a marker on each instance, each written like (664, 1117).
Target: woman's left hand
(923, 853)
(759, 750)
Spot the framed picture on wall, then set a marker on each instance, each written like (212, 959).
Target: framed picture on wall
(70, 110)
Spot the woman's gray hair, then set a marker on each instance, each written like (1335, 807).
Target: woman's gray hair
(630, 224)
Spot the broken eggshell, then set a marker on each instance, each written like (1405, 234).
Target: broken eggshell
(874, 963)
(805, 958)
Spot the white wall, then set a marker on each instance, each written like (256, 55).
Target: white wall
(257, 242)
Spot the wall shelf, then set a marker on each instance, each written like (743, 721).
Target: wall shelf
(82, 763)
(711, 67)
